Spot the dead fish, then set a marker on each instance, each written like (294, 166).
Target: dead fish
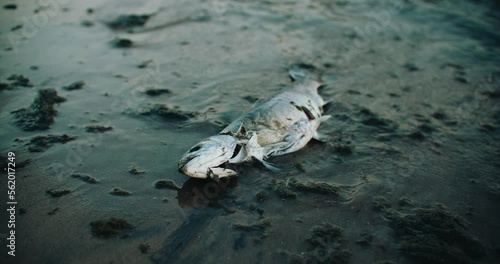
(285, 123)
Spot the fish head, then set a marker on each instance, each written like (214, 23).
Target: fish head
(209, 157)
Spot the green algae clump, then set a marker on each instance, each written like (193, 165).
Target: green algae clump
(40, 114)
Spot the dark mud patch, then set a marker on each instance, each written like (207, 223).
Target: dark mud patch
(258, 229)
(166, 184)
(98, 128)
(144, 248)
(426, 128)
(422, 131)
(5, 86)
(381, 204)
(74, 86)
(353, 92)
(10, 6)
(250, 99)
(119, 192)
(16, 27)
(461, 79)
(19, 163)
(487, 127)
(19, 80)
(58, 193)
(168, 113)
(342, 146)
(435, 235)
(417, 135)
(326, 245)
(54, 211)
(365, 239)
(4, 162)
(405, 201)
(318, 187)
(382, 147)
(157, 91)
(411, 67)
(492, 94)
(121, 43)
(369, 118)
(40, 114)
(110, 227)
(84, 177)
(300, 167)
(124, 22)
(439, 115)
(136, 170)
(144, 64)
(240, 242)
(87, 23)
(289, 189)
(22, 164)
(42, 143)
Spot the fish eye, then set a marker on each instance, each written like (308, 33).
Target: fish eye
(237, 150)
(195, 148)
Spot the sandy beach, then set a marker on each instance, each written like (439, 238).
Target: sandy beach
(100, 99)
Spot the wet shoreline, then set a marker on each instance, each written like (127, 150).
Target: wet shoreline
(100, 100)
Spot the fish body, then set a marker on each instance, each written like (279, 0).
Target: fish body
(285, 123)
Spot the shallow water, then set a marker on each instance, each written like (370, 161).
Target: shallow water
(415, 123)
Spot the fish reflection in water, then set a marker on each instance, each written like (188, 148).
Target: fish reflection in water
(199, 194)
(203, 196)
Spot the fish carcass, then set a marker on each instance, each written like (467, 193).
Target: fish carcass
(280, 125)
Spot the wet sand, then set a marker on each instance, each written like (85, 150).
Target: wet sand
(99, 101)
